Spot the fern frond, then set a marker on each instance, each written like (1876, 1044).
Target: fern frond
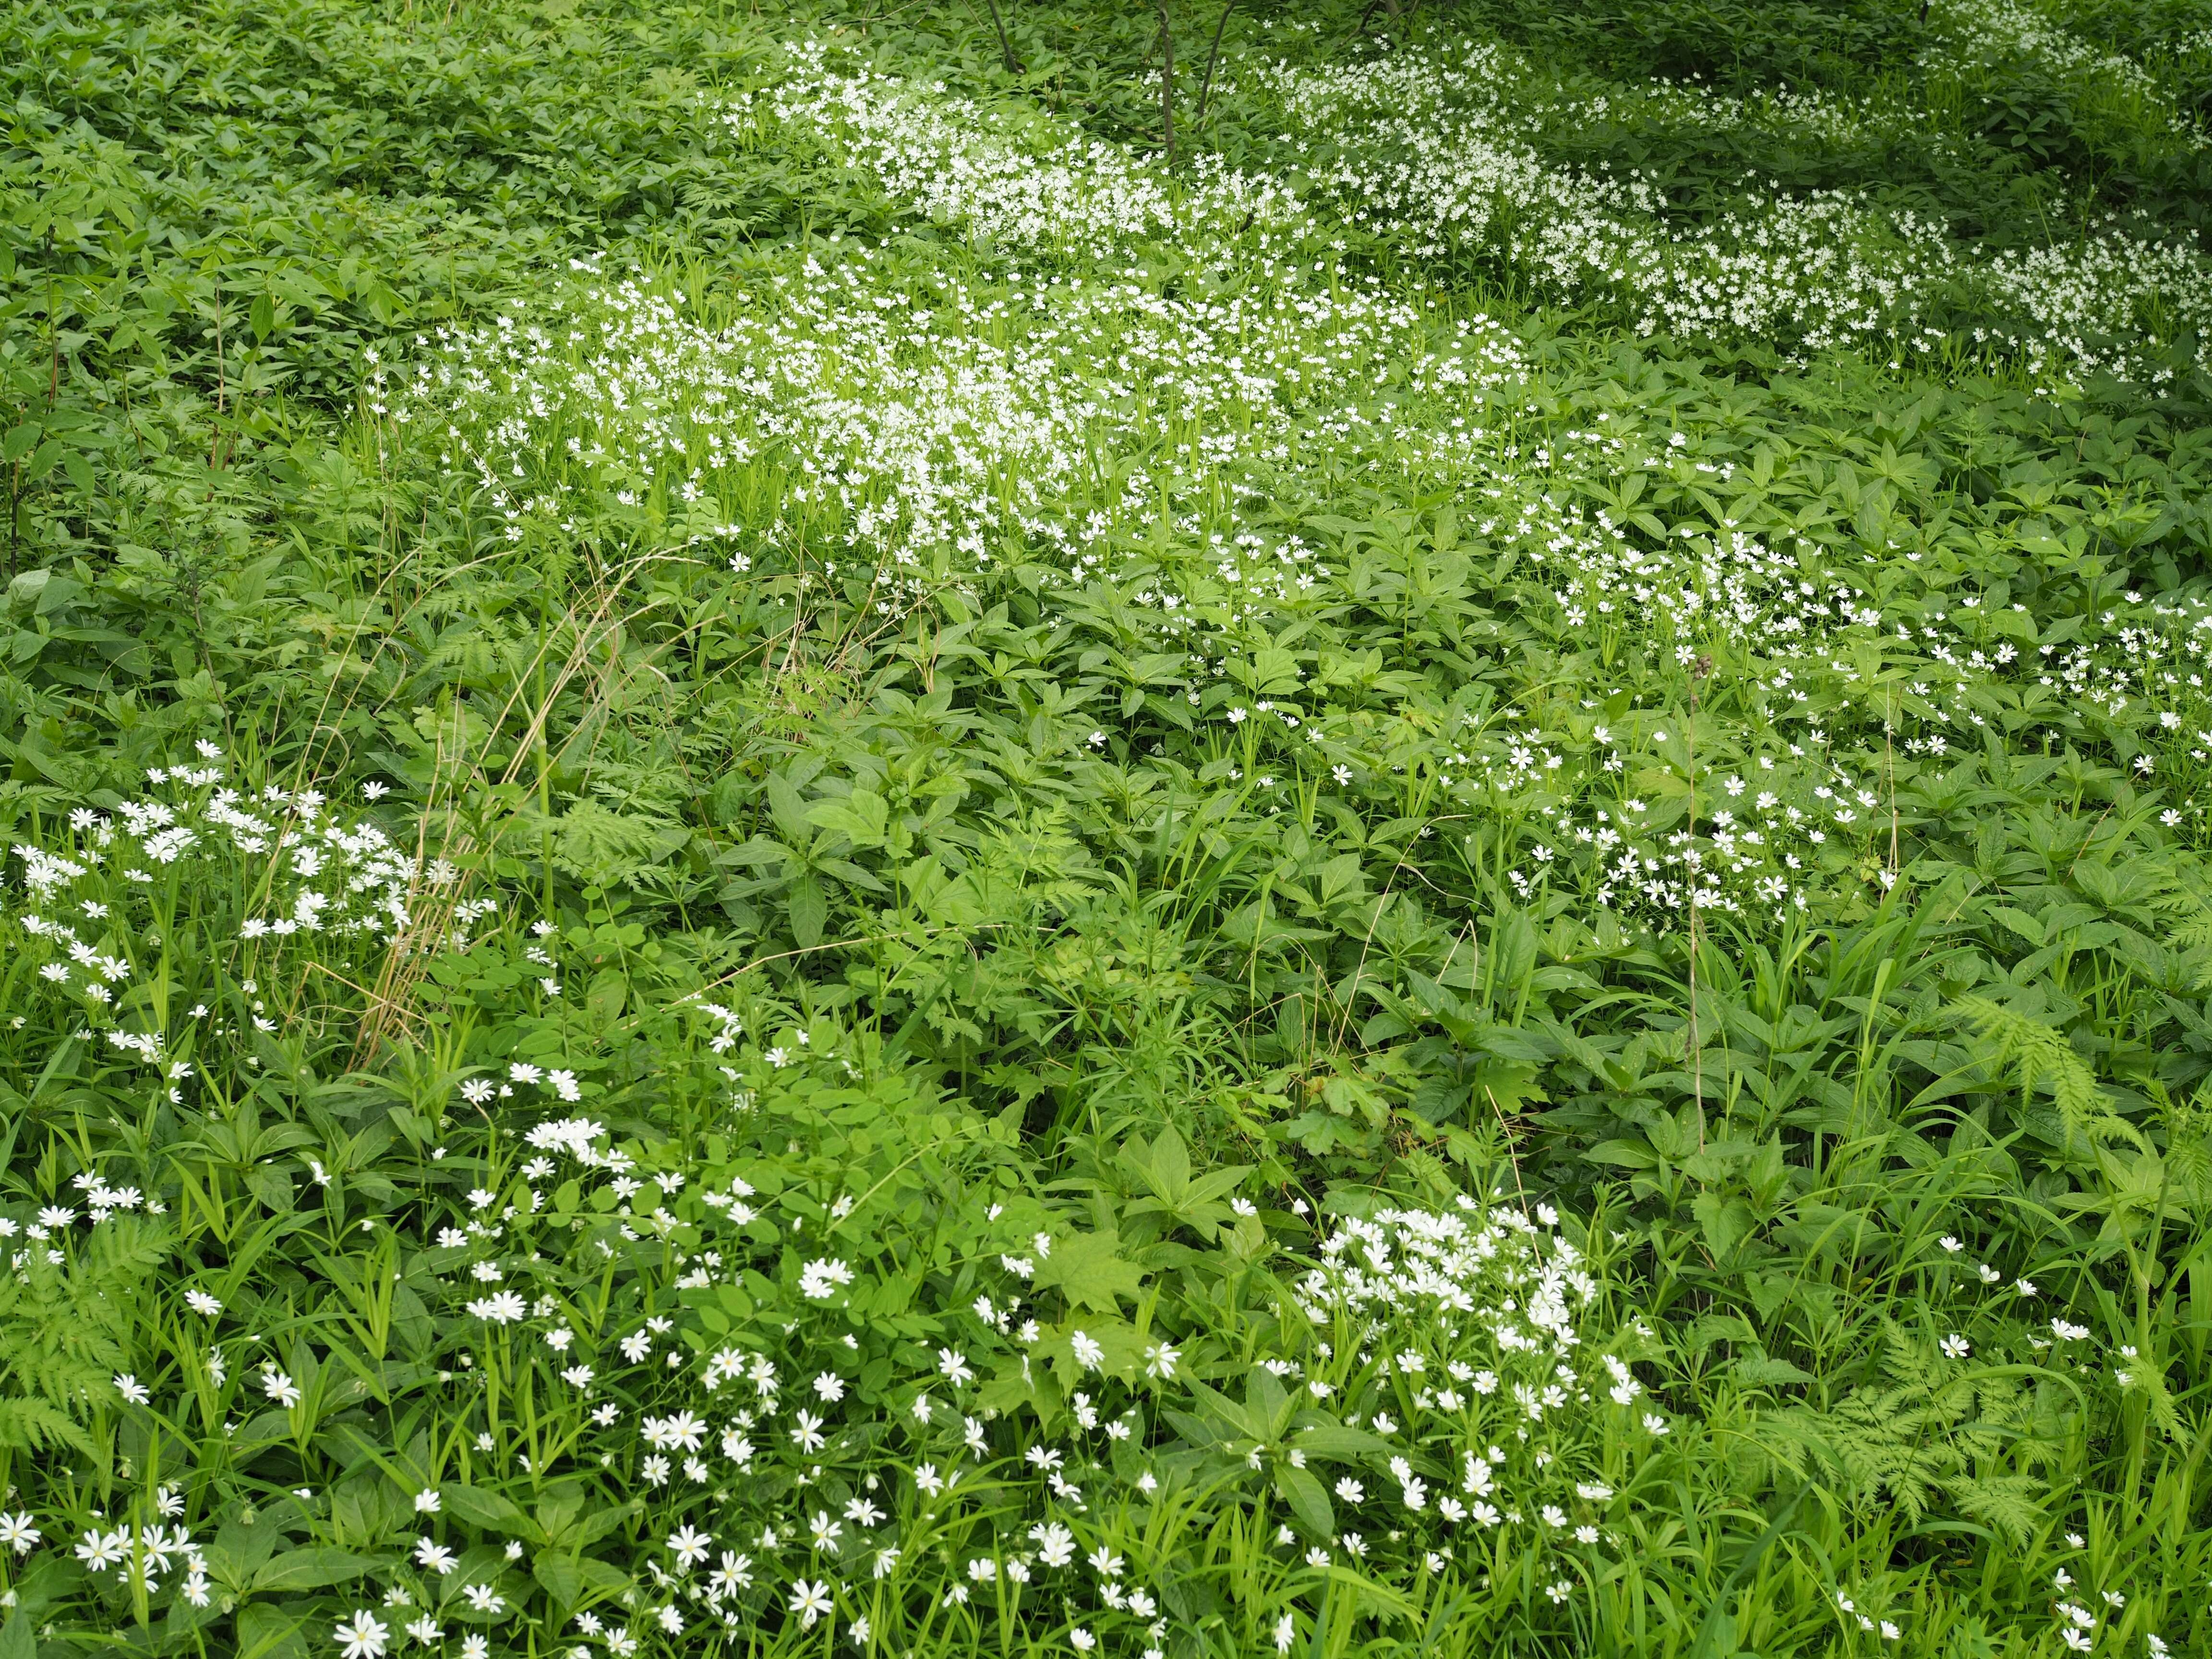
(34, 1426)
(2041, 1056)
(2006, 1501)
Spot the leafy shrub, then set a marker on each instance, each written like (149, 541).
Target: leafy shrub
(1128, 762)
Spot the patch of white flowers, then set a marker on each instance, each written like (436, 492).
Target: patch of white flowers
(1446, 1390)
(1432, 146)
(851, 425)
(99, 885)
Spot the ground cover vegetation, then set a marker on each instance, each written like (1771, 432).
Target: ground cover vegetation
(1055, 829)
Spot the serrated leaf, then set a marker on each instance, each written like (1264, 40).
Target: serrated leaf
(810, 911)
(310, 1569)
(487, 1510)
(1084, 1267)
(862, 817)
(561, 1577)
(1309, 1501)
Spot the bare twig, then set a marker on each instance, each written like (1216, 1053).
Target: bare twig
(1703, 667)
(1167, 83)
(1212, 58)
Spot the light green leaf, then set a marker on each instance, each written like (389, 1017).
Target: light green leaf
(1084, 1267)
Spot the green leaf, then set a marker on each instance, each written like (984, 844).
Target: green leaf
(44, 459)
(272, 1186)
(788, 807)
(1308, 1499)
(562, 1579)
(1762, 1370)
(810, 911)
(597, 1522)
(1084, 1267)
(604, 1576)
(267, 1632)
(310, 1569)
(862, 817)
(487, 1510)
(1335, 1440)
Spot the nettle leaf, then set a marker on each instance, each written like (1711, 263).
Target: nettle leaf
(861, 817)
(311, 1569)
(487, 1510)
(272, 1632)
(1309, 1501)
(1086, 1269)
(809, 909)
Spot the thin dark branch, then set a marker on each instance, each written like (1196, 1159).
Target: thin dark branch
(1005, 46)
(1212, 58)
(1167, 83)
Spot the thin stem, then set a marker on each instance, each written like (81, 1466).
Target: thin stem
(1005, 46)
(221, 378)
(1167, 83)
(1703, 667)
(1212, 58)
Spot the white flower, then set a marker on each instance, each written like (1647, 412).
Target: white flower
(734, 1574)
(809, 1601)
(1055, 1543)
(818, 1280)
(363, 1637)
(131, 1389)
(689, 1546)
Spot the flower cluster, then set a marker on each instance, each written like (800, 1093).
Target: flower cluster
(889, 434)
(1430, 146)
(1445, 1391)
(111, 891)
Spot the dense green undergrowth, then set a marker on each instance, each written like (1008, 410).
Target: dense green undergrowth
(816, 845)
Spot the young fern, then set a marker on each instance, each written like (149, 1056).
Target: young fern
(65, 1332)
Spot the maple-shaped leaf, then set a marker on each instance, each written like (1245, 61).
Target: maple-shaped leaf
(1088, 1272)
